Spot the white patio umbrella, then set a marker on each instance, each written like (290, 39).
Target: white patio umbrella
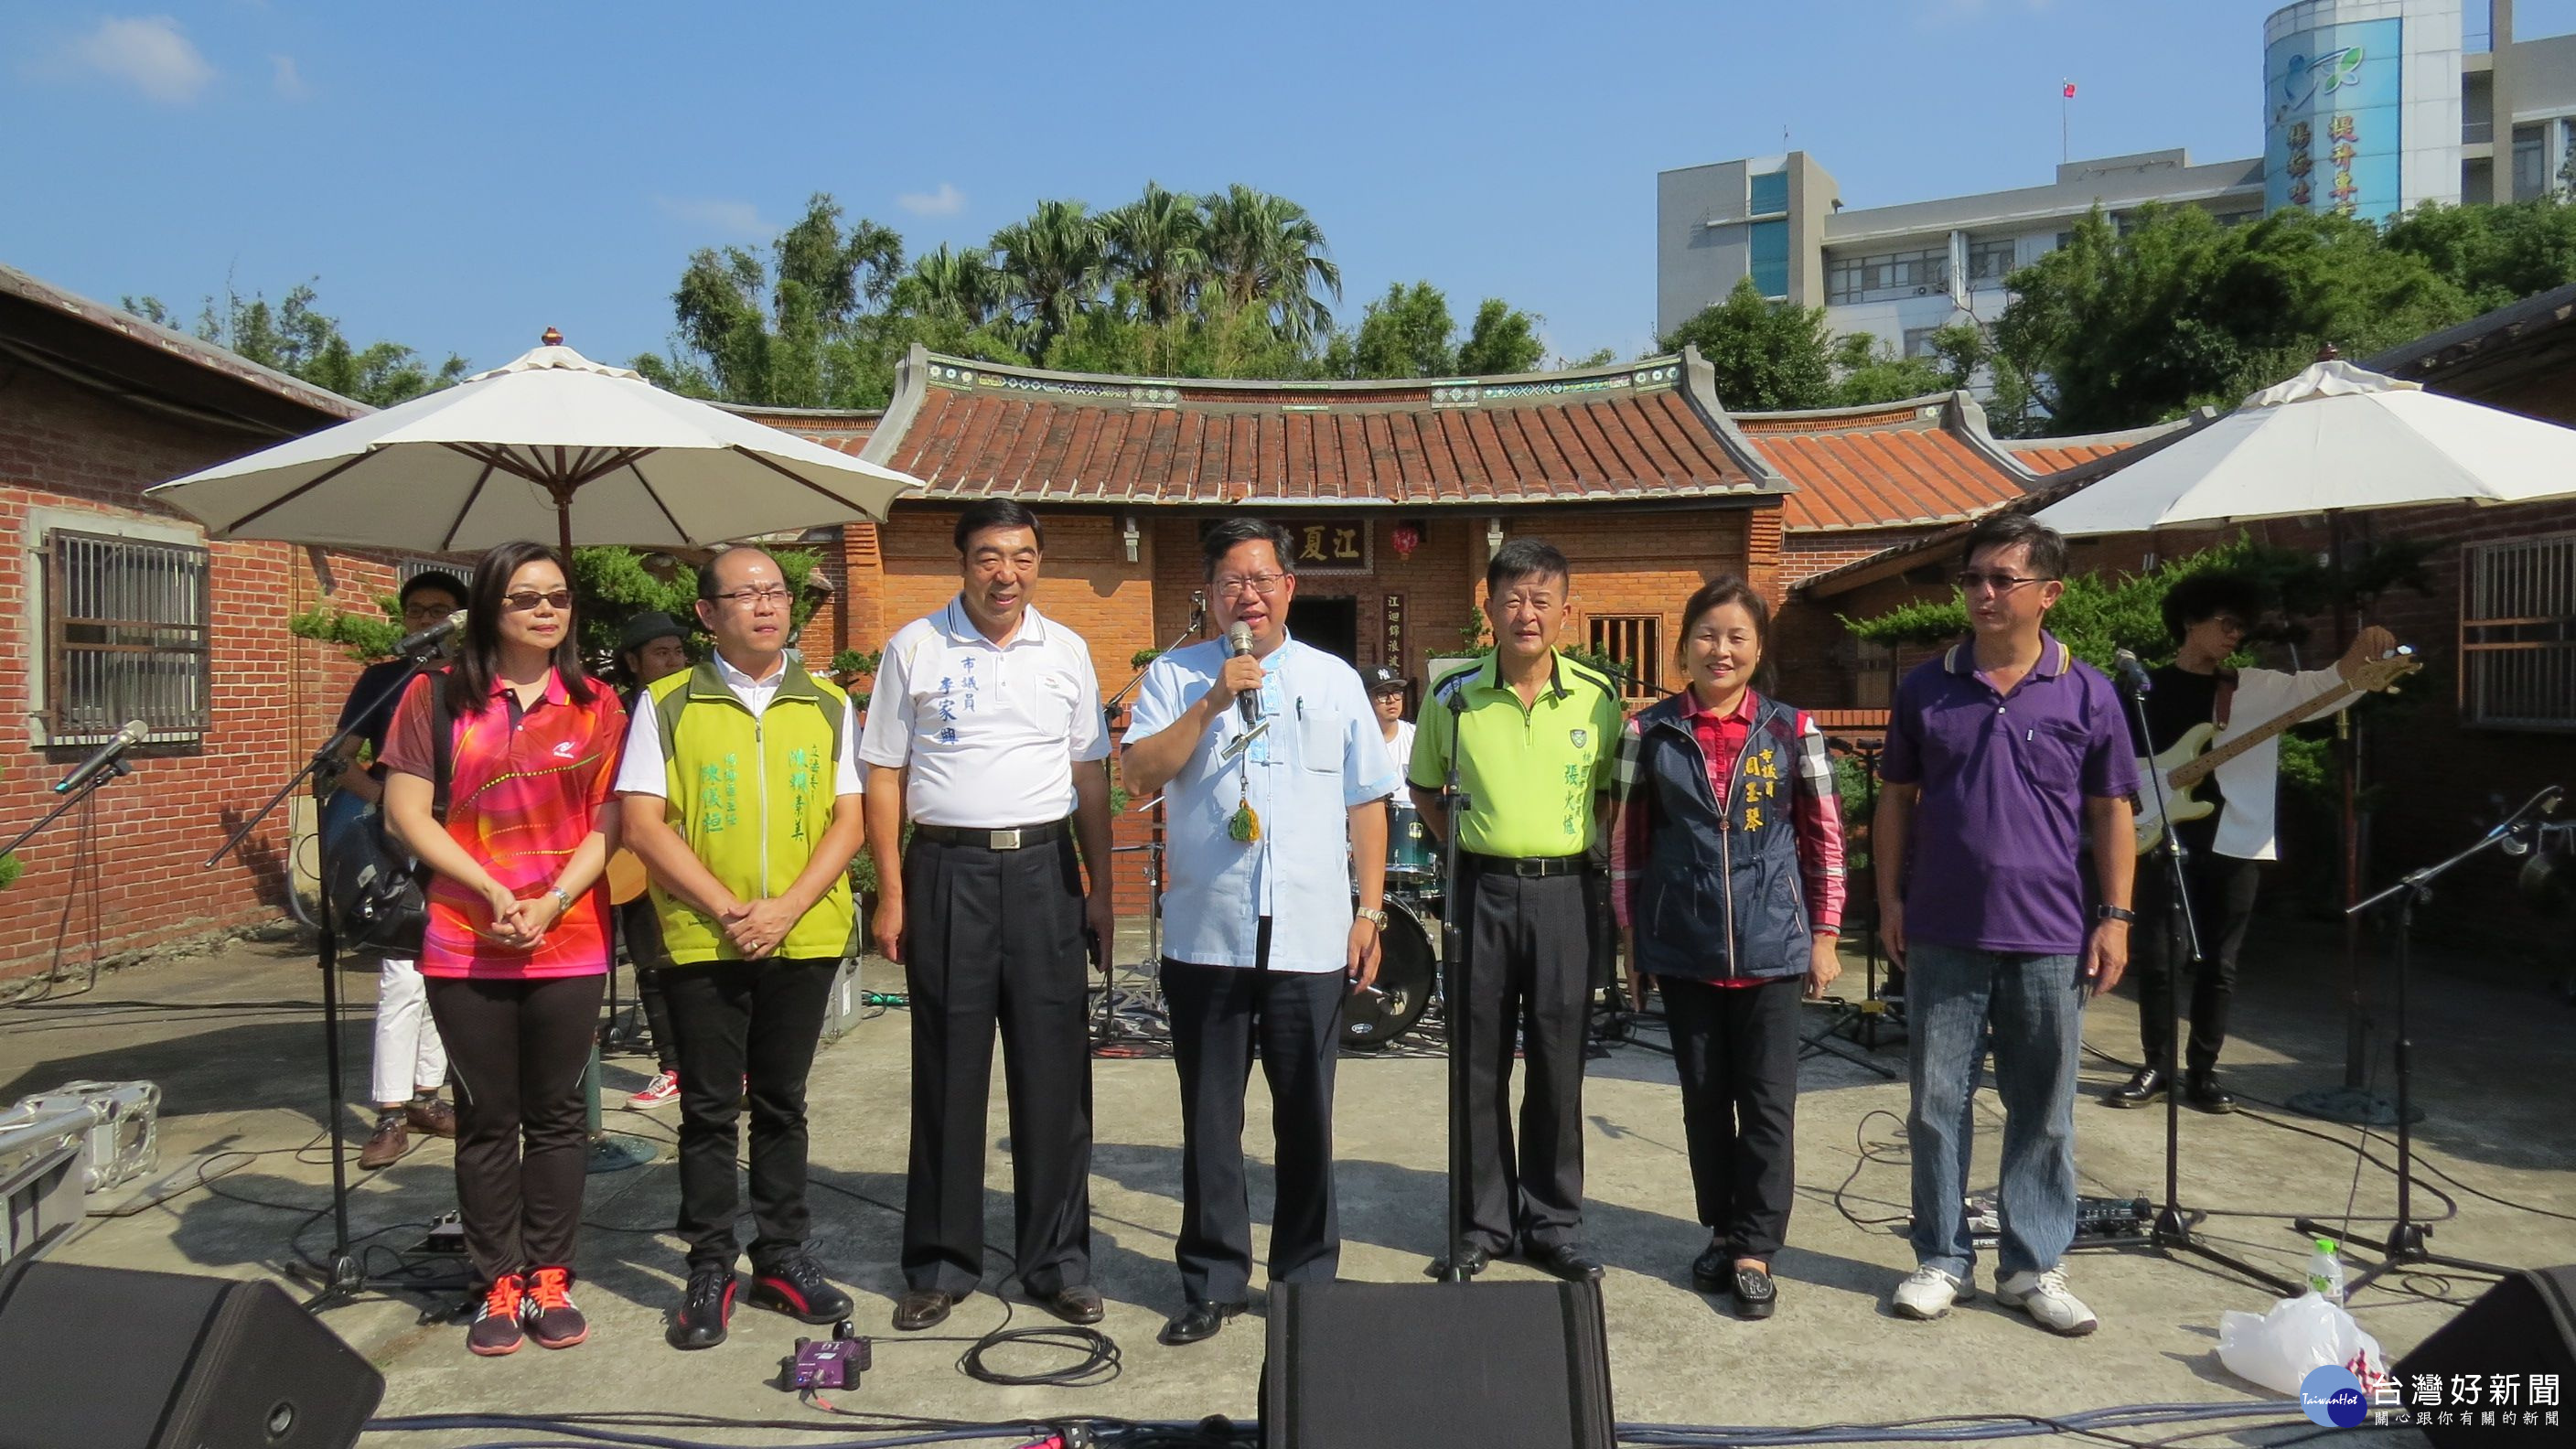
(2334, 437)
(552, 444)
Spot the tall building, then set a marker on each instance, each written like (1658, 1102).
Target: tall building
(2370, 107)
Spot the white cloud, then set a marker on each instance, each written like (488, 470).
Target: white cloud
(148, 53)
(946, 201)
(289, 81)
(733, 218)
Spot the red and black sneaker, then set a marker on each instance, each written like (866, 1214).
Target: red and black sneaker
(552, 1320)
(496, 1324)
(705, 1312)
(793, 1283)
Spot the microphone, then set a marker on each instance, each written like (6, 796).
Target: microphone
(2132, 674)
(431, 637)
(105, 757)
(1238, 642)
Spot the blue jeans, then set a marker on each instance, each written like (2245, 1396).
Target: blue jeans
(2035, 1008)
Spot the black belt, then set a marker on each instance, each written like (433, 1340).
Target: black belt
(1527, 867)
(1025, 835)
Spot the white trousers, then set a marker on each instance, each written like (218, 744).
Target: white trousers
(409, 1054)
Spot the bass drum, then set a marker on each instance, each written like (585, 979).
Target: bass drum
(1408, 973)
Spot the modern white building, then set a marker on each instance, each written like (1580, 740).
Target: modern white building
(2367, 106)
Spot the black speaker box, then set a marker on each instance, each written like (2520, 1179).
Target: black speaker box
(1486, 1366)
(2522, 1326)
(109, 1358)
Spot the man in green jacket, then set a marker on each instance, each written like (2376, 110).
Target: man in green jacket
(742, 794)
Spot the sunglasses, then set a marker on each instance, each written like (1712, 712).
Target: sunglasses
(560, 600)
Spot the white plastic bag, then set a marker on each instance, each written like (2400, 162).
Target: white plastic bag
(2278, 1349)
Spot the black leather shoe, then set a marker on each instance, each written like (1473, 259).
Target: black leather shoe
(1471, 1261)
(1567, 1261)
(921, 1308)
(794, 1285)
(2201, 1090)
(1077, 1304)
(705, 1312)
(1755, 1295)
(1713, 1271)
(1197, 1323)
(2144, 1089)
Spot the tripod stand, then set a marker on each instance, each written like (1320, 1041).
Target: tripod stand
(1859, 1023)
(2171, 1233)
(2405, 1247)
(345, 1276)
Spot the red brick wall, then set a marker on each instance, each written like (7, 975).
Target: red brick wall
(273, 698)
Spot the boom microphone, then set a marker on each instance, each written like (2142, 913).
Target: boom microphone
(105, 757)
(1238, 642)
(431, 637)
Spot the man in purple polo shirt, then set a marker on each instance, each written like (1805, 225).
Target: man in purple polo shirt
(2005, 756)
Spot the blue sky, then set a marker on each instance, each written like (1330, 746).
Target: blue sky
(460, 176)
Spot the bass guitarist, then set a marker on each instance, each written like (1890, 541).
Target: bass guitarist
(2208, 615)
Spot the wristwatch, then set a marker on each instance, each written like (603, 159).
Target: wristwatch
(561, 899)
(1374, 918)
(2114, 913)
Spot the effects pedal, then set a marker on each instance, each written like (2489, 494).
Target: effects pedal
(446, 1236)
(2098, 1220)
(828, 1363)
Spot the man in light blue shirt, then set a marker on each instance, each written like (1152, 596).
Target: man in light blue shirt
(1273, 825)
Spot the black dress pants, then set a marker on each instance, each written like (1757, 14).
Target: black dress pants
(2222, 904)
(1220, 1016)
(1528, 984)
(517, 1051)
(761, 1019)
(1737, 1051)
(995, 938)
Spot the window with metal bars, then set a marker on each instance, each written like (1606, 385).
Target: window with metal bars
(2518, 633)
(125, 637)
(1634, 642)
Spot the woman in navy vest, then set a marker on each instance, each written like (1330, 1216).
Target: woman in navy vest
(1727, 880)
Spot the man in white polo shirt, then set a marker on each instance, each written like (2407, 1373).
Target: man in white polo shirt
(986, 733)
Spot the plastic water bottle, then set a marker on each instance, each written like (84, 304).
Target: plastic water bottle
(2325, 1272)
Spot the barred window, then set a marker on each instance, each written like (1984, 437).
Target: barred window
(1635, 642)
(125, 637)
(2518, 633)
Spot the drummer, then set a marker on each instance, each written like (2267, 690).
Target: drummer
(1387, 688)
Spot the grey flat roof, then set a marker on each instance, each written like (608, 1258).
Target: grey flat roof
(2058, 199)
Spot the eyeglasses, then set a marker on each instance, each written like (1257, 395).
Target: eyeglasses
(425, 611)
(1970, 581)
(749, 598)
(560, 600)
(1262, 584)
(2228, 622)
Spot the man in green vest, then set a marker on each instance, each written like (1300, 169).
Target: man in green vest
(1532, 736)
(741, 784)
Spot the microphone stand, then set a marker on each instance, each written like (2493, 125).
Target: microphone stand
(1453, 991)
(2405, 1247)
(1859, 1022)
(345, 1276)
(1153, 849)
(86, 788)
(2171, 1233)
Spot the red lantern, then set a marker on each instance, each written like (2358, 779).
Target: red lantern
(1406, 538)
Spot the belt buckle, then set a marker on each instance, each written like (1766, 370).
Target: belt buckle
(1006, 840)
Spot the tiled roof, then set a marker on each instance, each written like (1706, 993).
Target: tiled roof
(1647, 429)
(1922, 461)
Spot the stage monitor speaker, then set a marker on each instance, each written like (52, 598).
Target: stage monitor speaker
(2523, 1326)
(1485, 1366)
(110, 1358)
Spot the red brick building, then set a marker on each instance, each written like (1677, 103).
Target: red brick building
(120, 609)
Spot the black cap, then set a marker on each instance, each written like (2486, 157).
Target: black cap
(646, 627)
(1382, 678)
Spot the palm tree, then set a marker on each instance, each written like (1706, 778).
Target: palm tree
(1266, 251)
(959, 285)
(1052, 267)
(1154, 245)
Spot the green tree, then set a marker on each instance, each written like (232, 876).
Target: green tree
(794, 330)
(2133, 325)
(1156, 246)
(297, 338)
(1406, 333)
(1502, 340)
(1266, 251)
(1766, 355)
(2495, 255)
(1053, 265)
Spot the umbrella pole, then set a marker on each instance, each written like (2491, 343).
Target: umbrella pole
(563, 528)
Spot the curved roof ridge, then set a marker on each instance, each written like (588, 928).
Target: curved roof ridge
(1853, 410)
(1325, 386)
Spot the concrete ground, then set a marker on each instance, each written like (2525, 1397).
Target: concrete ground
(232, 1038)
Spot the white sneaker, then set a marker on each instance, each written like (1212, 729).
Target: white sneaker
(1929, 1293)
(2044, 1297)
